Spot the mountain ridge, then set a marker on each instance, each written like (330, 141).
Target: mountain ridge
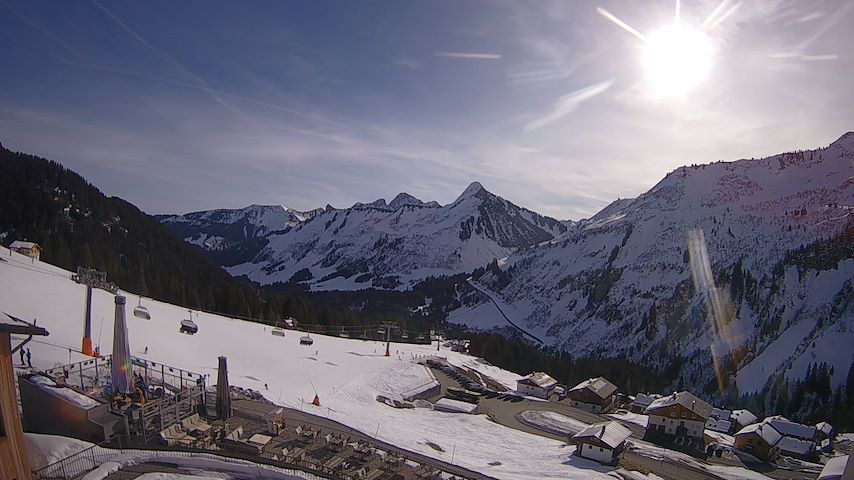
(475, 229)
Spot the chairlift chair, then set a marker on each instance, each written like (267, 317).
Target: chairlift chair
(306, 340)
(188, 326)
(141, 312)
(344, 334)
(278, 332)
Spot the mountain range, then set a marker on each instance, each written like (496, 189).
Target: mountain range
(369, 245)
(740, 268)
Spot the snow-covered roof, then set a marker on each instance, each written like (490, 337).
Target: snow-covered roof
(686, 399)
(722, 426)
(599, 385)
(720, 414)
(66, 393)
(539, 379)
(22, 244)
(744, 417)
(824, 428)
(450, 405)
(834, 468)
(794, 445)
(609, 433)
(642, 400)
(790, 428)
(764, 430)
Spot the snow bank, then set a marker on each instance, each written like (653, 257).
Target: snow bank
(629, 417)
(44, 450)
(552, 422)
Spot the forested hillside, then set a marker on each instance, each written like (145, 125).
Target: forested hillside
(44, 202)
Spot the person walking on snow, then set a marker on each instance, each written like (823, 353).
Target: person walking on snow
(146, 350)
(29, 358)
(22, 352)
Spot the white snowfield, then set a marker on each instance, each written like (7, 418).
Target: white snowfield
(347, 373)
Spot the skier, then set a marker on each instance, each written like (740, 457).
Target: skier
(265, 387)
(146, 349)
(29, 358)
(22, 352)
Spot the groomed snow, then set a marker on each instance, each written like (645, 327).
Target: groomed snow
(348, 374)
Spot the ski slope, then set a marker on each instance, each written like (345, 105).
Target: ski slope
(348, 374)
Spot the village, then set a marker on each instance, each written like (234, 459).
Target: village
(123, 401)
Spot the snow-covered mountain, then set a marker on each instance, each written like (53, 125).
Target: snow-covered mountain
(778, 234)
(390, 245)
(224, 228)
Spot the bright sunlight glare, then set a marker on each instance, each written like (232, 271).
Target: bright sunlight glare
(677, 59)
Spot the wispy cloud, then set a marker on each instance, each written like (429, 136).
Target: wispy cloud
(568, 103)
(204, 85)
(468, 55)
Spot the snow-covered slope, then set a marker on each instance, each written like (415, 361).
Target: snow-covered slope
(779, 233)
(348, 374)
(389, 245)
(220, 229)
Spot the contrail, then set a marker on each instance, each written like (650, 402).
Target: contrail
(274, 106)
(43, 30)
(469, 55)
(610, 16)
(568, 103)
(170, 59)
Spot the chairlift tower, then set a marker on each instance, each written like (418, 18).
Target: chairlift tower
(92, 279)
(388, 326)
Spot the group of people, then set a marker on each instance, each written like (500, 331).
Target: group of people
(26, 357)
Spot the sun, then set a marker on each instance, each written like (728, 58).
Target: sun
(677, 59)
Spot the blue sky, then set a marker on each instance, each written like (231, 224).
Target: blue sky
(182, 106)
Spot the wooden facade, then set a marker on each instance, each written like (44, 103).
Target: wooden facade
(585, 399)
(676, 420)
(754, 444)
(14, 461)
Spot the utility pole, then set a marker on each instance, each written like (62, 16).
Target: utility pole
(92, 279)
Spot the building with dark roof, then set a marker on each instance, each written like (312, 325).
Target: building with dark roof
(594, 395)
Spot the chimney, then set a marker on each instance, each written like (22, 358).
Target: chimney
(121, 368)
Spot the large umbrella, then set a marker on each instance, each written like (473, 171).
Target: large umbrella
(121, 373)
(223, 396)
